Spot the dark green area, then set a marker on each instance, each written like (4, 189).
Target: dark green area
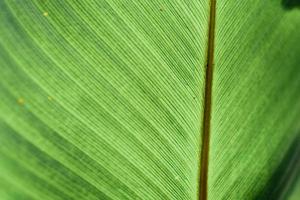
(290, 4)
(285, 176)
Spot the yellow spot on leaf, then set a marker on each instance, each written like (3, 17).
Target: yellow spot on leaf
(162, 8)
(50, 98)
(21, 101)
(45, 14)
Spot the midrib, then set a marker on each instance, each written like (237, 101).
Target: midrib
(207, 103)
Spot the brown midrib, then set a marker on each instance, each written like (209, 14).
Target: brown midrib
(207, 104)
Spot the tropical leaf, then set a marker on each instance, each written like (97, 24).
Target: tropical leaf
(113, 99)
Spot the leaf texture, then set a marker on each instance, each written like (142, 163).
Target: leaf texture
(104, 99)
(256, 95)
(101, 99)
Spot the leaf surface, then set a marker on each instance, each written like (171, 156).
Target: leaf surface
(105, 99)
(101, 99)
(256, 95)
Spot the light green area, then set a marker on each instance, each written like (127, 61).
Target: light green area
(103, 99)
(256, 95)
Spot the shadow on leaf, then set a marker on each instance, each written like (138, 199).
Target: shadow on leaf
(285, 176)
(290, 4)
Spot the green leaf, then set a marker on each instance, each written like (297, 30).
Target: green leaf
(256, 95)
(105, 99)
(102, 99)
